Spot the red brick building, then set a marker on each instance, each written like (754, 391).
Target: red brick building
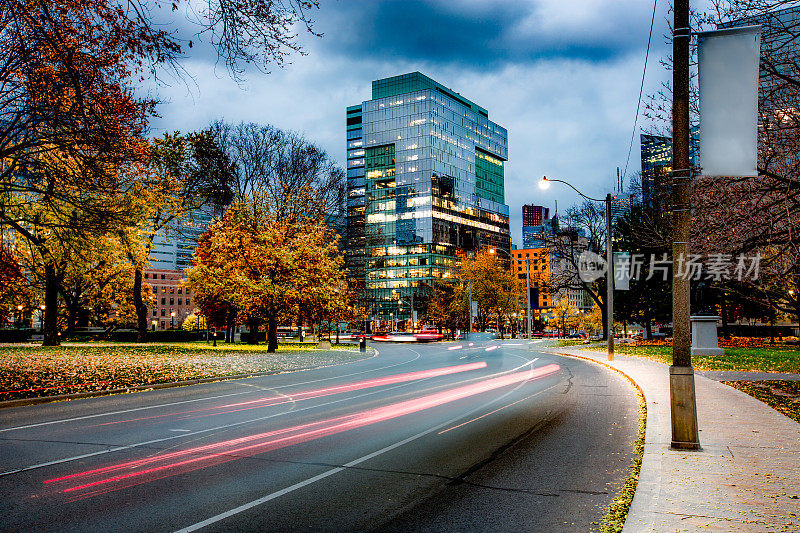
(173, 302)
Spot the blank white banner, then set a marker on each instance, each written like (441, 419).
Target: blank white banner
(728, 71)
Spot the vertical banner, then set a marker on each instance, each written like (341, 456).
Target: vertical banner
(474, 309)
(622, 271)
(728, 72)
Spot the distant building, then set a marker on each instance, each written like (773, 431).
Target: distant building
(537, 236)
(175, 244)
(539, 260)
(656, 154)
(172, 301)
(534, 215)
(621, 204)
(780, 42)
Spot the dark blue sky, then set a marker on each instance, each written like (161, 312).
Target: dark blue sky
(561, 75)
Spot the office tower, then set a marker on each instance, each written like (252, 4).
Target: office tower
(174, 245)
(534, 215)
(538, 236)
(425, 187)
(621, 204)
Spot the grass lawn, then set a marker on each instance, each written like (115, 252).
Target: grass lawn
(28, 371)
(783, 359)
(570, 342)
(783, 396)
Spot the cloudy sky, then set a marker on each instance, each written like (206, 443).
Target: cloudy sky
(562, 76)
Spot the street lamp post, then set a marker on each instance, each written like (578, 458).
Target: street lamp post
(528, 282)
(172, 320)
(544, 184)
(683, 405)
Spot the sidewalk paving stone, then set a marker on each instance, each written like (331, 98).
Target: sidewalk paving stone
(746, 477)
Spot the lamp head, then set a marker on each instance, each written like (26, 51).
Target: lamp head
(544, 183)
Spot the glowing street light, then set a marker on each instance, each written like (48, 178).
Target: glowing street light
(544, 184)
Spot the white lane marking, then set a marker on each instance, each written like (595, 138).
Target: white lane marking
(456, 347)
(318, 477)
(199, 432)
(512, 344)
(226, 426)
(124, 411)
(181, 430)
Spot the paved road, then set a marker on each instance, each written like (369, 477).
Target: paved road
(494, 436)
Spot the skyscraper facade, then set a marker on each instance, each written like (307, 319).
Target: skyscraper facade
(656, 152)
(425, 186)
(174, 244)
(533, 215)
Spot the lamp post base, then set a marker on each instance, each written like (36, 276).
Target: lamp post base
(684, 408)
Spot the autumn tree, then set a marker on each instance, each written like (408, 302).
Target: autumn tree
(182, 175)
(495, 286)
(263, 267)
(447, 309)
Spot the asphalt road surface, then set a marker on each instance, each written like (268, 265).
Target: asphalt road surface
(493, 436)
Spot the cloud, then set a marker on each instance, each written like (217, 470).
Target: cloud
(562, 77)
(483, 34)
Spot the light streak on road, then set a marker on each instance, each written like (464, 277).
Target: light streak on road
(172, 463)
(457, 347)
(318, 393)
(490, 348)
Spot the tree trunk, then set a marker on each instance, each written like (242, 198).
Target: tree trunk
(604, 313)
(140, 306)
(50, 337)
(252, 326)
(272, 334)
(73, 308)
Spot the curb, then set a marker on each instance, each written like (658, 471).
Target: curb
(153, 386)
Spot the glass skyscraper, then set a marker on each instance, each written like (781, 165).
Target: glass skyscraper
(425, 186)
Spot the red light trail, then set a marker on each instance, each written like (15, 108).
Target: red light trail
(318, 393)
(177, 462)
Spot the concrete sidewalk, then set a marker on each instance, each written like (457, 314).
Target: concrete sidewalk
(746, 477)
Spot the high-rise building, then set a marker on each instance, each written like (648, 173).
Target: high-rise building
(656, 166)
(355, 245)
(534, 215)
(174, 244)
(538, 236)
(425, 185)
(656, 153)
(621, 204)
(781, 46)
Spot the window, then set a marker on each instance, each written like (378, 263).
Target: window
(171, 301)
(180, 290)
(172, 290)
(163, 325)
(163, 276)
(179, 301)
(146, 275)
(187, 301)
(163, 301)
(155, 312)
(163, 313)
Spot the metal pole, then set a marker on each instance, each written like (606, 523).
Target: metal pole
(682, 392)
(528, 280)
(609, 281)
(469, 312)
